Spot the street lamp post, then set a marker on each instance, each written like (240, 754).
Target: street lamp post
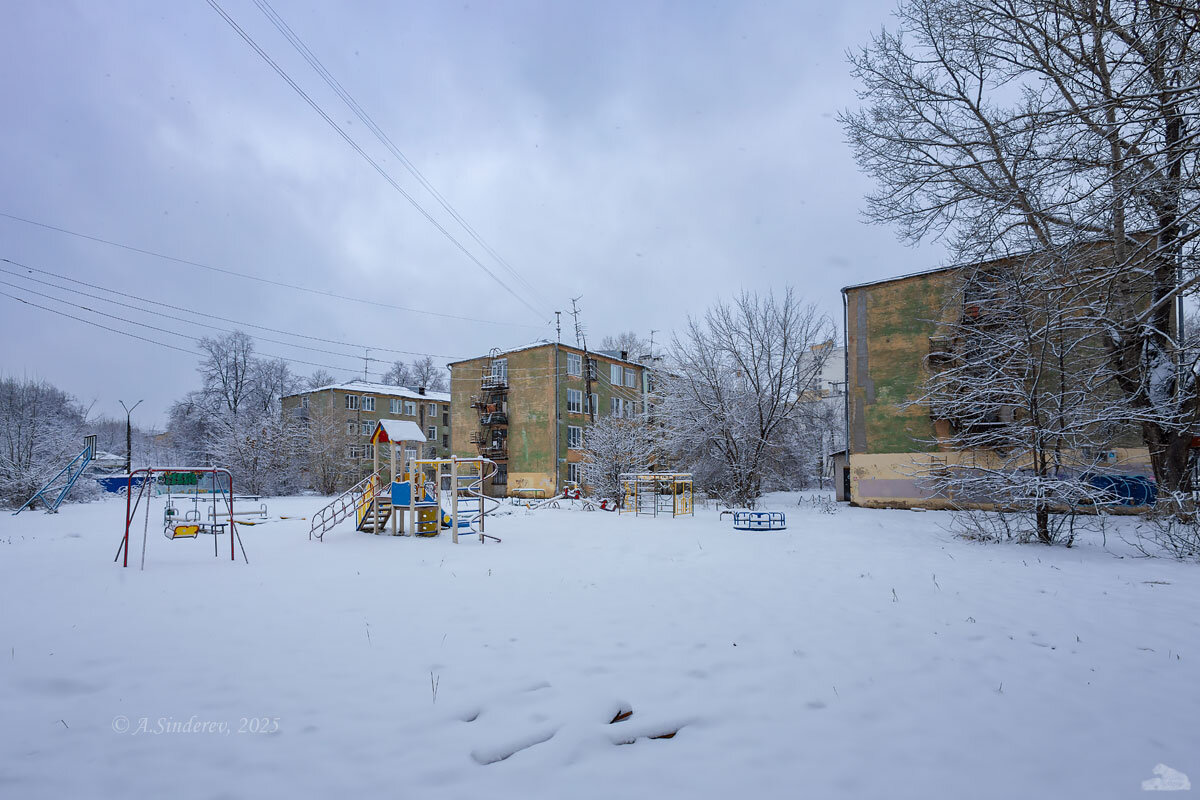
(129, 434)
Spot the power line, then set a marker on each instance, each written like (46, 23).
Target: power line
(333, 83)
(145, 325)
(192, 311)
(374, 164)
(248, 276)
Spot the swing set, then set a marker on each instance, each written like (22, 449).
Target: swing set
(189, 526)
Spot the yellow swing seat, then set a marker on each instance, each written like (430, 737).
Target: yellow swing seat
(183, 532)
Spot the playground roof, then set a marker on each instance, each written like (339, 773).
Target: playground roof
(382, 389)
(397, 430)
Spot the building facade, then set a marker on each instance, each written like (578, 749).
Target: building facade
(527, 410)
(359, 405)
(895, 333)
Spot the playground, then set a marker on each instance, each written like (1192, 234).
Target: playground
(852, 654)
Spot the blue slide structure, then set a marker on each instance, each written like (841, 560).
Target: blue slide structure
(63, 481)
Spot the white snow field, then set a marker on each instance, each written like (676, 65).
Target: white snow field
(863, 654)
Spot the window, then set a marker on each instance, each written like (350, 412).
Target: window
(446, 418)
(368, 451)
(594, 407)
(351, 427)
(574, 437)
(431, 433)
(368, 403)
(352, 402)
(500, 370)
(616, 375)
(366, 428)
(574, 401)
(432, 409)
(393, 406)
(410, 408)
(352, 451)
(573, 474)
(630, 378)
(410, 453)
(591, 369)
(618, 406)
(304, 401)
(574, 364)
(445, 440)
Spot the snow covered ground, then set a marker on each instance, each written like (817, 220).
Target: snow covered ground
(862, 654)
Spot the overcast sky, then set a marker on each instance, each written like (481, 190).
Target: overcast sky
(651, 157)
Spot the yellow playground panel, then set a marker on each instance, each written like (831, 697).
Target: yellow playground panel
(657, 493)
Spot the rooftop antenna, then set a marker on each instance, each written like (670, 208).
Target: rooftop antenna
(652, 332)
(366, 360)
(558, 327)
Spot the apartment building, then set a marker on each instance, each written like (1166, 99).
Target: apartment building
(896, 337)
(360, 404)
(527, 409)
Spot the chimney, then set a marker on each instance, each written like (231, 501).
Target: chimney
(421, 390)
(624, 355)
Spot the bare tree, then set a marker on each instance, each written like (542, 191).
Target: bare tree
(1022, 393)
(320, 378)
(614, 445)
(628, 342)
(1048, 125)
(427, 373)
(226, 368)
(399, 374)
(739, 382)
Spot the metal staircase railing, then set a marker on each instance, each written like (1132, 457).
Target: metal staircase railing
(351, 501)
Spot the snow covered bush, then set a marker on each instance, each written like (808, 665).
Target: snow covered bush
(740, 395)
(41, 430)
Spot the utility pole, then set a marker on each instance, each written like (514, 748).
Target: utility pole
(128, 434)
(581, 340)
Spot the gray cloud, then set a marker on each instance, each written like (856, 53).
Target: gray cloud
(652, 157)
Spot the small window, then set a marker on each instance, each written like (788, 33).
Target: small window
(574, 401)
(366, 428)
(431, 433)
(618, 406)
(352, 451)
(594, 406)
(574, 364)
(574, 437)
(616, 375)
(410, 453)
(394, 406)
(630, 378)
(352, 402)
(445, 440)
(351, 427)
(500, 370)
(368, 451)
(573, 474)
(432, 410)
(410, 408)
(304, 401)
(368, 403)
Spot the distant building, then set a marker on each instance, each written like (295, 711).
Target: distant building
(527, 409)
(361, 404)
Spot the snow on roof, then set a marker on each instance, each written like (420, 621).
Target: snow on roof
(380, 388)
(397, 430)
(612, 355)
